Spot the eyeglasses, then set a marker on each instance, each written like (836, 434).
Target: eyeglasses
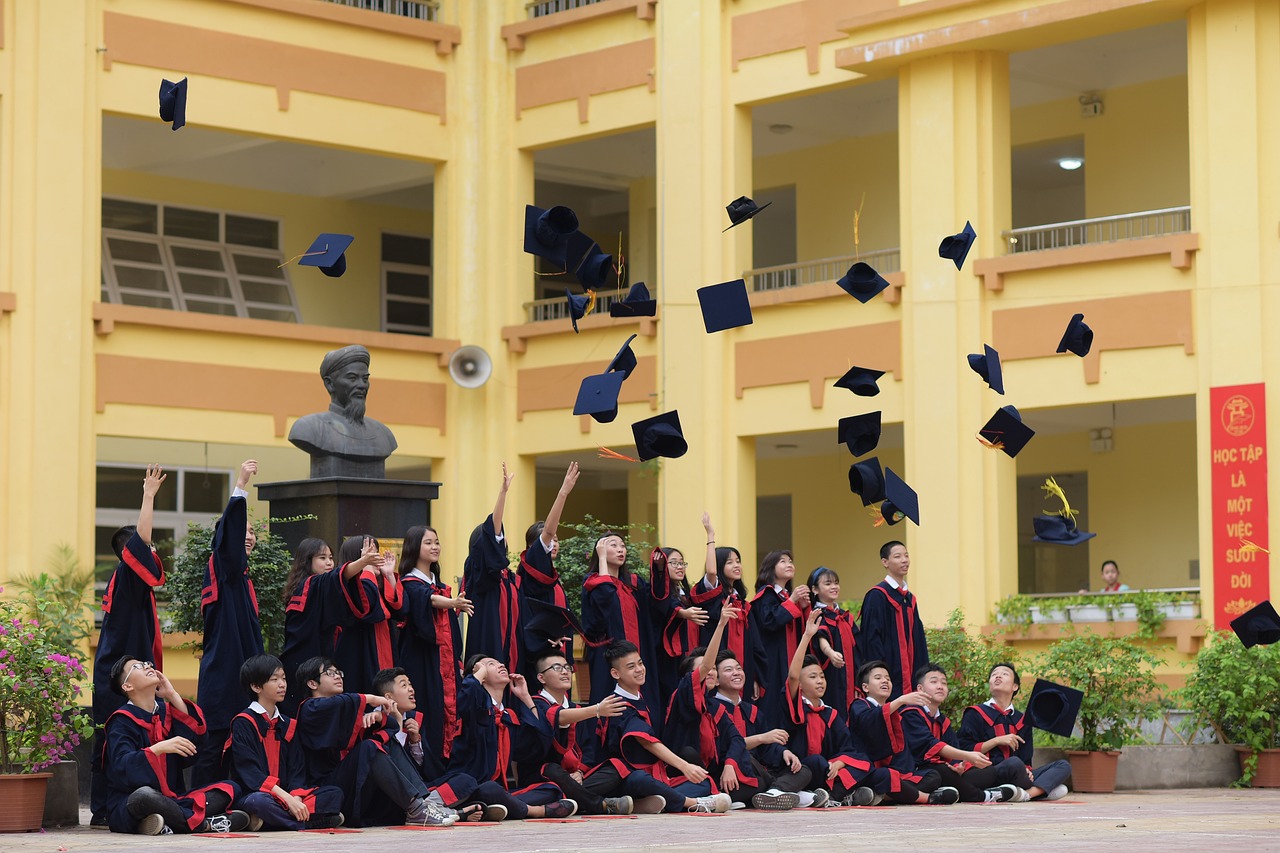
(141, 664)
(558, 667)
(677, 564)
(332, 672)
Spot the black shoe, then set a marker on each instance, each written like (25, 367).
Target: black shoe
(233, 821)
(944, 797)
(325, 821)
(100, 821)
(860, 796)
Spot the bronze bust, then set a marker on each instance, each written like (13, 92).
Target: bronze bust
(342, 442)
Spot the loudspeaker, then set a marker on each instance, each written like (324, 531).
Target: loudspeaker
(470, 366)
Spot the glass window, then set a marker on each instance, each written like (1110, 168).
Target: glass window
(193, 224)
(247, 231)
(124, 215)
(204, 491)
(121, 488)
(401, 249)
(406, 284)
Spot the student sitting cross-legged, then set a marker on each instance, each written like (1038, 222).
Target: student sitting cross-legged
(148, 742)
(1003, 733)
(265, 758)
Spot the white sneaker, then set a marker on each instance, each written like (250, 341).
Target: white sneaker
(737, 806)
(1022, 796)
(152, 824)
(714, 804)
(650, 805)
(1058, 792)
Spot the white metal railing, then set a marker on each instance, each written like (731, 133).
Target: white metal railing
(1101, 229)
(422, 10)
(542, 8)
(557, 307)
(823, 269)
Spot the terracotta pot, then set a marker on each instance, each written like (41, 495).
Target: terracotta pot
(22, 801)
(1093, 772)
(1268, 775)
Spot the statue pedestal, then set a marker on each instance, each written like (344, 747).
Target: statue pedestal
(347, 506)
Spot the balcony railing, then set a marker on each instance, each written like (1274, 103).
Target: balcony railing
(557, 307)
(542, 8)
(422, 10)
(821, 270)
(1102, 229)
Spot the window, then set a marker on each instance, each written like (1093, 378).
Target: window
(773, 524)
(406, 284)
(184, 259)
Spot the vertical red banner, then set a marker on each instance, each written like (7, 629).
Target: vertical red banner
(1241, 564)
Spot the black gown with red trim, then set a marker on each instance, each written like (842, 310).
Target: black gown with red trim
(492, 737)
(494, 628)
(675, 637)
(778, 623)
(330, 731)
(614, 609)
(539, 579)
(621, 742)
(265, 752)
(981, 723)
(129, 763)
(129, 622)
(892, 632)
(738, 634)
(927, 734)
(313, 618)
(745, 718)
(841, 632)
(364, 636)
(229, 605)
(429, 644)
(820, 731)
(877, 733)
(690, 729)
(565, 744)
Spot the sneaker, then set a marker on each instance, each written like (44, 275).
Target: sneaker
(255, 823)
(737, 806)
(422, 813)
(650, 805)
(876, 800)
(560, 809)
(821, 799)
(325, 821)
(1058, 792)
(1021, 795)
(495, 812)
(860, 796)
(944, 797)
(152, 824)
(100, 821)
(618, 805)
(714, 804)
(443, 815)
(1002, 794)
(774, 801)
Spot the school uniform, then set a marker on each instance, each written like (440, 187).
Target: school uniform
(263, 753)
(841, 633)
(314, 617)
(818, 738)
(494, 628)
(982, 722)
(877, 734)
(928, 732)
(778, 623)
(364, 635)
(690, 729)
(738, 635)
(539, 579)
(617, 609)
(129, 764)
(430, 640)
(232, 633)
(130, 627)
(892, 632)
(564, 755)
(759, 769)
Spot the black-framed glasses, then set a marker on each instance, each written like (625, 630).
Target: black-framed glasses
(558, 667)
(677, 564)
(332, 672)
(141, 664)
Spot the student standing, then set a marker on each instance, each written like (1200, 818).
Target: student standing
(494, 590)
(677, 621)
(891, 628)
(537, 573)
(365, 640)
(778, 615)
(721, 585)
(836, 641)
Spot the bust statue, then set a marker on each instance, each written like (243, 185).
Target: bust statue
(342, 442)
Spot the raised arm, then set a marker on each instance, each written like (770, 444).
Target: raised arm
(797, 660)
(500, 505)
(150, 485)
(552, 522)
(713, 644)
(710, 572)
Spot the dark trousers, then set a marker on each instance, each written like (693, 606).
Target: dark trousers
(492, 794)
(640, 784)
(974, 782)
(207, 769)
(328, 801)
(818, 768)
(216, 802)
(880, 780)
(766, 778)
(588, 801)
(1047, 777)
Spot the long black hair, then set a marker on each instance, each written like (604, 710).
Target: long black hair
(766, 577)
(413, 547)
(684, 581)
(722, 557)
(308, 550)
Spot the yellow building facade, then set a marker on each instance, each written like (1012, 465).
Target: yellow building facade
(143, 315)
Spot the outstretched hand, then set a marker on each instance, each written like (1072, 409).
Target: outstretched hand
(151, 482)
(506, 478)
(248, 468)
(570, 479)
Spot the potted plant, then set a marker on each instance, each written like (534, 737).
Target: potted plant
(39, 722)
(967, 659)
(1119, 688)
(1237, 690)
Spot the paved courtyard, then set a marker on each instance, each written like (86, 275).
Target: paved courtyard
(1190, 820)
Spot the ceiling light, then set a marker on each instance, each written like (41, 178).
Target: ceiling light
(787, 446)
(1071, 163)
(780, 129)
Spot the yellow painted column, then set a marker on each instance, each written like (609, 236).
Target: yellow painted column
(1233, 49)
(50, 174)
(954, 166)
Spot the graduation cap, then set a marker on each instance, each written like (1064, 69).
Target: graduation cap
(1258, 626)
(862, 282)
(173, 102)
(598, 395)
(1058, 530)
(1078, 337)
(544, 619)
(861, 381)
(899, 499)
(660, 436)
(725, 305)
(637, 303)
(866, 480)
(546, 233)
(741, 209)
(987, 365)
(624, 361)
(579, 306)
(590, 265)
(328, 252)
(956, 247)
(1054, 707)
(1006, 431)
(860, 433)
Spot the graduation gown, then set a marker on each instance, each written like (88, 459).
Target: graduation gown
(494, 628)
(539, 579)
(981, 723)
(778, 623)
(129, 763)
(745, 718)
(821, 732)
(877, 733)
(492, 737)
(565, 743)
(892, 632)
(926, 736)
(690, 729)
(674, 636)
(429, 644)
(229, 605)
(364, 641)
(265, 752)
(453, 787)
(738, 634)
(335, 752)
(622, 740)
(839, 629)
(313, 618)
(614, 609)
(129, 622)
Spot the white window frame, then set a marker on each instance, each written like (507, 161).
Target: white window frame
(412, 269)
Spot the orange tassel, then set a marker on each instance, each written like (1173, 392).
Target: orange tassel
(877, 517)
(1248, 547)
(591, 303)
(606, 453)
(994, 445)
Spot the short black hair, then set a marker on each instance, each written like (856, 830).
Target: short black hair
(865, 670)
(470, 665)
(549, 652)
(534, 531)
(810, 660)
(118, 674)
(619, 650)
(310, 669)
(888, 546)
(385, 680)
(121, 538)
(257, 671)
(923, 670)
(686, 662)
(724, 655)
(1017, 679)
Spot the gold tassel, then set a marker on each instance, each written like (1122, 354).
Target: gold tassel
(591, 303)
(877, 517)
(1248, 547)
(1054, 490)
(993, 445)
(303, 255)
(606, 453)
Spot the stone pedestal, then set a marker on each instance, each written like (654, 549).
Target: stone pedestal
(347, 506)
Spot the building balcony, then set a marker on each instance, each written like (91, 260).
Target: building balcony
(820, 271)
(420, 10)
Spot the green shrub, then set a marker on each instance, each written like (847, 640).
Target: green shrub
(61, 600)
(968, 659)
(577, 547)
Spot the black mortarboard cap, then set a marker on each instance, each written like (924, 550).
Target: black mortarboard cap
(173, 102)
(593, 265)
(1058, 530)
(328, 252)
(861, 381)
(660, 436)
(741, 209)
(956, 247)
(577, 307)
(1078, 337)
(725, 305)
(1007, 429)
(637, 303)
(544, 619)
(862, 282)
(866, 480)
(598, 396)
(1054, 707)
(1259, 626)
(546, 233)
(987, 365)
(860, 433)
(899, 497)
(625, 361)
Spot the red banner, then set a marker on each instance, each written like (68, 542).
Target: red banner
(1238, 436)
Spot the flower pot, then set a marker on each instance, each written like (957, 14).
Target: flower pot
(1093, 772)
(62, 795)
(1047, 617)
(1126, 613)
(1268, 774)
(1180, 610)
(1088, 613)
(22, 801)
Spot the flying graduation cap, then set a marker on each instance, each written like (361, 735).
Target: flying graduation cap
(659, 435)
(547, 232)
(1078, 338)
(956, 247)
(549, 621)
(987, 365)
(725, 305)
(741, 209)
(861, 381)
(900, 500)
(860, 433)
(589, 264)
(598, 394)
(637, 303)
(1054, 707)
(862, 282)
(1006, 431)
(866, 480)
(173, 102)
(328, 252)
(1258, 626)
